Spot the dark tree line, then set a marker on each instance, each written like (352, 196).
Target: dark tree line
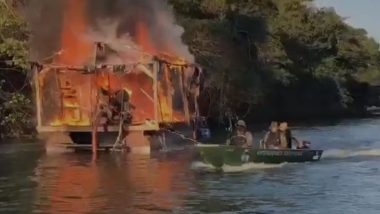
(15, 92)
(279, 59)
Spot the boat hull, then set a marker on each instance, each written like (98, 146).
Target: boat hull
(219, 155)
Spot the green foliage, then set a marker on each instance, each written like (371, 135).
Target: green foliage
(277, 57)
(13, 38)
(15, 103)
(15, 53)
(15, 115)
(214, 7)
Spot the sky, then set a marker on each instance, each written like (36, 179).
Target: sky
(360, 13)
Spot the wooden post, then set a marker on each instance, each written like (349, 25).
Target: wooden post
(95, 139)
(169, 91)
(155, 72)
(197, 92)
(183, 89)
(59, 92)
(38, 98)
(95, 121)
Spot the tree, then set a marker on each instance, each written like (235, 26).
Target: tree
(273, 56)
(15, 103)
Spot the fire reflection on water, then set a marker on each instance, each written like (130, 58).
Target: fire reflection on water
(119, 183)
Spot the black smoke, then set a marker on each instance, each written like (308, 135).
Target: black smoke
(45, 20)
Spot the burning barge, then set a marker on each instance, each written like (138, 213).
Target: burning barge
(107, 106)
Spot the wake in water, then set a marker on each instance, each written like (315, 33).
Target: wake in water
(200, 166)
(349, 153)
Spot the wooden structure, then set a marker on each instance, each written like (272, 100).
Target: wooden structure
(72, 99)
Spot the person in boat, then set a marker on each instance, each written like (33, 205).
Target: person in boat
(272, 139)
(242, 136)
(286, 137)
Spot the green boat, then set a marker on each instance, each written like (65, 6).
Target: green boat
(219, 155)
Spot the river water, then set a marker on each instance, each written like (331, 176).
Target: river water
(346, 180)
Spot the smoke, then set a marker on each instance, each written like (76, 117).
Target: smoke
(148, 23)
(119, 49)
(45, 20)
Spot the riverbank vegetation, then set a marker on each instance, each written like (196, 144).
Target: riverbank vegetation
(264, 60)
(283, 59)
(15, 91)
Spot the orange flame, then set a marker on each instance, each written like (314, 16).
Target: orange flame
(76, 50)
(143, 38)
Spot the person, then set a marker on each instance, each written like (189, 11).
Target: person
(104, 110)
(282, 136)
(242, 137)
(121, 105)
(271, 139)
(105, 115)
(286, 136)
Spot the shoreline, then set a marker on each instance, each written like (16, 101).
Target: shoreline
(263, 124)
(258, 125)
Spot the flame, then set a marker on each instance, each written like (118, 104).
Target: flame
(76, 50)
(143, 38)
(68, 121)
(128, 91)
(165, 93)
(72, 117)
(70, 103)
(104, 81)
(167, 114)
(172, 59)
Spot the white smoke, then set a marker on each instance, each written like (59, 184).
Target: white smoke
(156, 16)
(125, 50)
(46, 20)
